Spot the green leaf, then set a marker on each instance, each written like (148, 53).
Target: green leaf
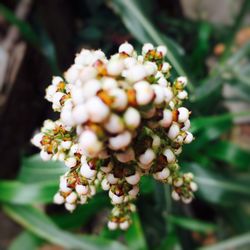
(24, 28)
(192, 224)
(20, 193)
(144, 31)
(217, 188)
(27, 240)
(40, 224)
(34, 169)
(230, 153)
(237, 242)
(134, 235)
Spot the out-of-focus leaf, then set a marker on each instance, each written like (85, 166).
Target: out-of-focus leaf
(25, 240)
(24, 28)
(229, 153)
(215, 188)
(40, 224)
(135, 236)
(21, 193)
(34, 169)
(144, 31)
(192, 224)
(238, 242)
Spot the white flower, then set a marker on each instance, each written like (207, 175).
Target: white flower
(50, 92)
(109, 83)
(169, 155)
(120, 99)
(112, 225)
(173, 131)
(71, 198)
(86, 171)
(133, 179)
(159, 94)
(112, 179)
(183, 114)
(36, 140)
(105, 184)
(126, 156)
(168, 94)
(90, 88)
(77, 95)
(58, 199)
(147, 157)
(115, 67)
(66, 144)
(162, 49)
(70, 207)
(144, 92)
(120, 141)
(167, 118)
(151, 68)
(186, 200)
(146, 48)
(193, 186)
(134, 191)
(162, 81)
(132, 118)
(124, 225)
(45, 156)
(56, 100)
(66, 117)
(182, 95)
(126, 48)
(165, 67)
(72, 74)
(80, 114)
(129, 62)
(182, 80)
(82, 189)
(97, 110)
(70, 162)
(189, 138)
(64, 185)
(114, 124)
(87, 73)
(175, 195)
(56, 80)
(136, 73)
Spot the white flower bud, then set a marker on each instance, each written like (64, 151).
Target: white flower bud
(129, 62)
(136, 73)
(114, 124)
(71, 198)
(168, 94)
(112, 179)
(120, 141)
(50, 92)
(132, 118)
(120, 101)
(189, 138)
(167, 118)
(66, 117)
(77, 95)
(182, 95)
(146, 48)
(169, 155)
(72, 74)
(56, 100)
(87, 73)
(56, 80)
(162, 49)
(70, 207)
(183, 114)
(58, 199)
(133, 179)
(117, 199)
(126, 156)
(163, 174)
(36, 140)
(45, 156)
(193, 186)
(178, 182)
(144, 92)
(186, 200)
(133, 192)
(90, 88)
(70, 162)
(124, 225)
(182, 80)
(175, 195)
(64, 185)
(66, 144)
(85, 58)
(147, 157)
(126, 48)
(159, 94)
(156, 142)
(109, 83)
(86, 171)
(105, 184)
(80, 114)
(82, 189)
(112, 225)
(178, 151)
(115, 67)
(187, 125)
(173, 131)
(83, 199)
(162, 81)
(165, 67)
(97, 110)
(150, 67)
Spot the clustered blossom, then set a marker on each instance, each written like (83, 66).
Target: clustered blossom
(120, 118)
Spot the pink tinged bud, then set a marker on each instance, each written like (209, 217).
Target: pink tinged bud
(183, 114)
(45, 156)
(82, 189)
(132, 118)
(173, 131)
(114, 124)
(97, 110)
(133, 179)
(124, 225)
(58, 199)
(126, 48)
(120, 141)
(182, 80)
(112, 225)
(147, 157)
(87, 172)
(162, 49)
(144, 92)
(126, 156)
(169, 155)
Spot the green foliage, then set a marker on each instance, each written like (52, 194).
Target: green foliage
(221, 168)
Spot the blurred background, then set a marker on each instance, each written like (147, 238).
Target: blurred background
(208, 41)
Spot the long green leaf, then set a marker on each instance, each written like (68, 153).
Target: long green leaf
(20, 193)
(238, 242)
(39, 224)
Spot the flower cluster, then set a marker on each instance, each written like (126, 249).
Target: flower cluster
(120, 118)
